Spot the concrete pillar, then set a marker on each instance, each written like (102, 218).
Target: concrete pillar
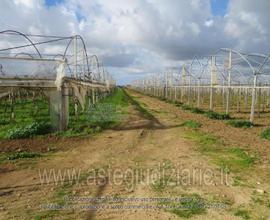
(59, 111)
(93, 96)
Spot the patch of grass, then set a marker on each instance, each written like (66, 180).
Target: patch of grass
(188, 206)
(58, 199)
(229, 159)
(217, 116)
(160, 184)
(244, 214)
(186, 107)
(197, 111)
(26, 112)
(107, 113)
(36, 128)
(21, 155)
(240, 124)
(266, 134)
(144, 112)
(206, 141)
(192, 124)
(237, 181)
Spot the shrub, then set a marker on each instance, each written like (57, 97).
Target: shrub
(217, 116)
(28, 131)
(240, 124)
(266, 134)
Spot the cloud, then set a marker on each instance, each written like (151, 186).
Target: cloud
(144, 36)
(248, 22)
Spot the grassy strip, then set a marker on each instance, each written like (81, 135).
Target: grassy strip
(22, 155)
(210, 114)
(35, 128)
(190, 205)
(105, 114)
(233, 159)
(192, 124)
(144, 112)
(240, 124)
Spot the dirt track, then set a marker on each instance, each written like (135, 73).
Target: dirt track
(138, 142)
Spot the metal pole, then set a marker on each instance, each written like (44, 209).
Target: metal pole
(229, 83)
(253, 103)
(75, 57)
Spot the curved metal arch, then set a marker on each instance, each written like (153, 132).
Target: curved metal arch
(196, 59)
(241, 55)
(84, 48)
(27, 38)
(28, 54)
(97, 61)
(61, 55)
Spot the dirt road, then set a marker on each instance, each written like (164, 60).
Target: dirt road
(150, 142)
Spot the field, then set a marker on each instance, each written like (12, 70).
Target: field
(127, 150)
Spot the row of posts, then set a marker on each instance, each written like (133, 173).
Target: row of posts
(156, 88)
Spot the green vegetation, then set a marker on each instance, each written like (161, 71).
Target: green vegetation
(266, 134)
(217, 116)
(144, 112)
(105, 114)
(24, 154)
(160, 184)
(244, 214)
(197, 111)
(188, 206)
(32, 117)
(192, 124)
(28, 113)
(58, 200)
(35, 128)
(229, 159)
(210, 114)
(240, 124)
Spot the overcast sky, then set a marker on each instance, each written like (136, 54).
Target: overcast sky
(136, 37)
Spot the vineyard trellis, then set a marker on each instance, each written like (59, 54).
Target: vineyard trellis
(55, 67)
(222, 82)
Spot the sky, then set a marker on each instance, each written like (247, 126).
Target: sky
(137, 37)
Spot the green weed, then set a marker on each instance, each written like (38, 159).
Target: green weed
(244, 214)
(229, 159)
(29, 130)
(192, 124)
(266, 134)
(217, 116)
(21, 155)
(188, 206)
(240, 124)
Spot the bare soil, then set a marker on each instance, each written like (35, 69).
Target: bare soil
(137, 142)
